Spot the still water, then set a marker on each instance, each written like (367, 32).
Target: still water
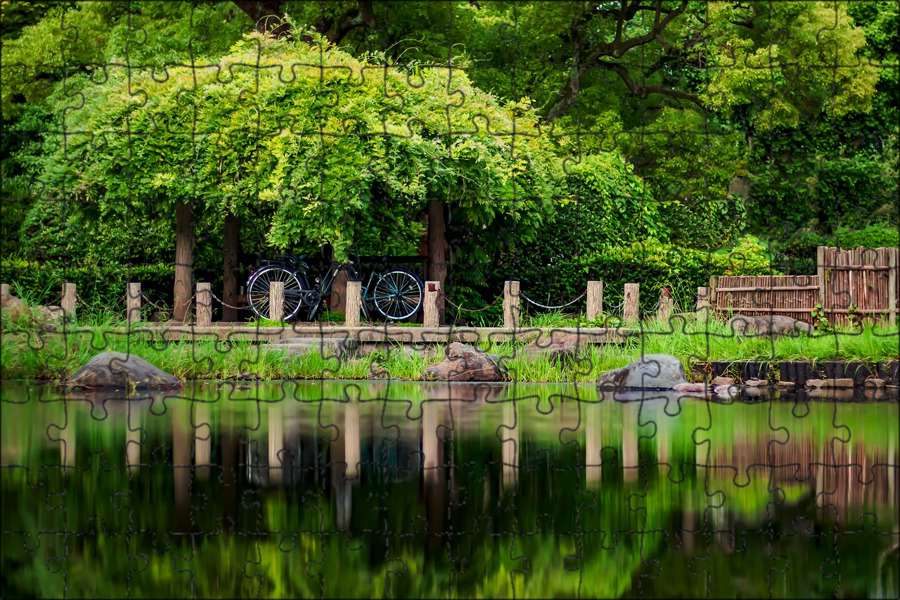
(388, 489)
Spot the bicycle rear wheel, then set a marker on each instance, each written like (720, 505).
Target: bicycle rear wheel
(397, 294)
(258, 291)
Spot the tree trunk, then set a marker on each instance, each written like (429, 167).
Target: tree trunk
(230, 270)
(437, 250)
(184, 260)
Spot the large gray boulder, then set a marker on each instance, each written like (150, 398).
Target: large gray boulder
(763, 325)
(653, 372)
(465, 363)
(119, 370)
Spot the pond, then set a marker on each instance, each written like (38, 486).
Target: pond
(398, 489)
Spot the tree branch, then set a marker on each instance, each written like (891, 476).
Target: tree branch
(267, 16)
(616, 49)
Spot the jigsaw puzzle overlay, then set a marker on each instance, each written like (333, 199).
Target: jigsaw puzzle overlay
(450, 299)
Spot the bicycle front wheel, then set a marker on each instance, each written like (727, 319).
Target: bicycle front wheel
(397, 295)
(258, 291)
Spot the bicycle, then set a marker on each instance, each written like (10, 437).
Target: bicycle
(396, 294)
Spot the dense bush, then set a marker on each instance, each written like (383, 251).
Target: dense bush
(99, 288)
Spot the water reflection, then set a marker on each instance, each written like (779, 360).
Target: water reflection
(419, 489)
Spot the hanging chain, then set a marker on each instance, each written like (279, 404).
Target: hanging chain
(225, 304)
(472, 310)
(583, 294)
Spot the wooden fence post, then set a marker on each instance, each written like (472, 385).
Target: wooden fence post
(68, 300)
(204, 304)
(702, 298)
(511, 304)
(133, 303)
(276, 301)
(354, 303)
(594, 299)
(820, 273)
(4, 289)
(431, 311)
(892, 286)
(631, 312)
(666, 302)
(713, 293)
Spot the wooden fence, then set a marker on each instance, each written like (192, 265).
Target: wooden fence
(861, 280)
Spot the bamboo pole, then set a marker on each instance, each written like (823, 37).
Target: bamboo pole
(892, 286)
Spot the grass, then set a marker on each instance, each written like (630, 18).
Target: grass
(28, 352)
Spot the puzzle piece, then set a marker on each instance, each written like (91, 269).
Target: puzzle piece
(474, 299)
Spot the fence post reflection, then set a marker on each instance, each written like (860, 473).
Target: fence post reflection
(510, 441)
(181, 465)
(351, 438)
(202, 439)
(230, 444)
(432, 449)
(433, 474)
(67, 439)
(630, 440)
(276, 442)
(592, 444)
(133, 437)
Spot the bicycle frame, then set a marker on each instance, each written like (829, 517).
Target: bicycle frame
(311, 294)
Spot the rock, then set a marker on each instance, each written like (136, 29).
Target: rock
(559, 352)
(48, 313)
(15, 307)
(767, 325)
(815, 383)
(844, 382)
(465, 363)
(117, 369)
(756, 383)
(654, 371)
(725, 391)
(722, 381)
(785, 384)
(327, 347)
(12, 306)
(690, 387)
(874, 383)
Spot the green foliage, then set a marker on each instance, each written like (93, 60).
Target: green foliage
(100, 287)
(552, 271)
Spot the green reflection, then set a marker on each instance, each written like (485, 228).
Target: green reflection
(408, 489)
